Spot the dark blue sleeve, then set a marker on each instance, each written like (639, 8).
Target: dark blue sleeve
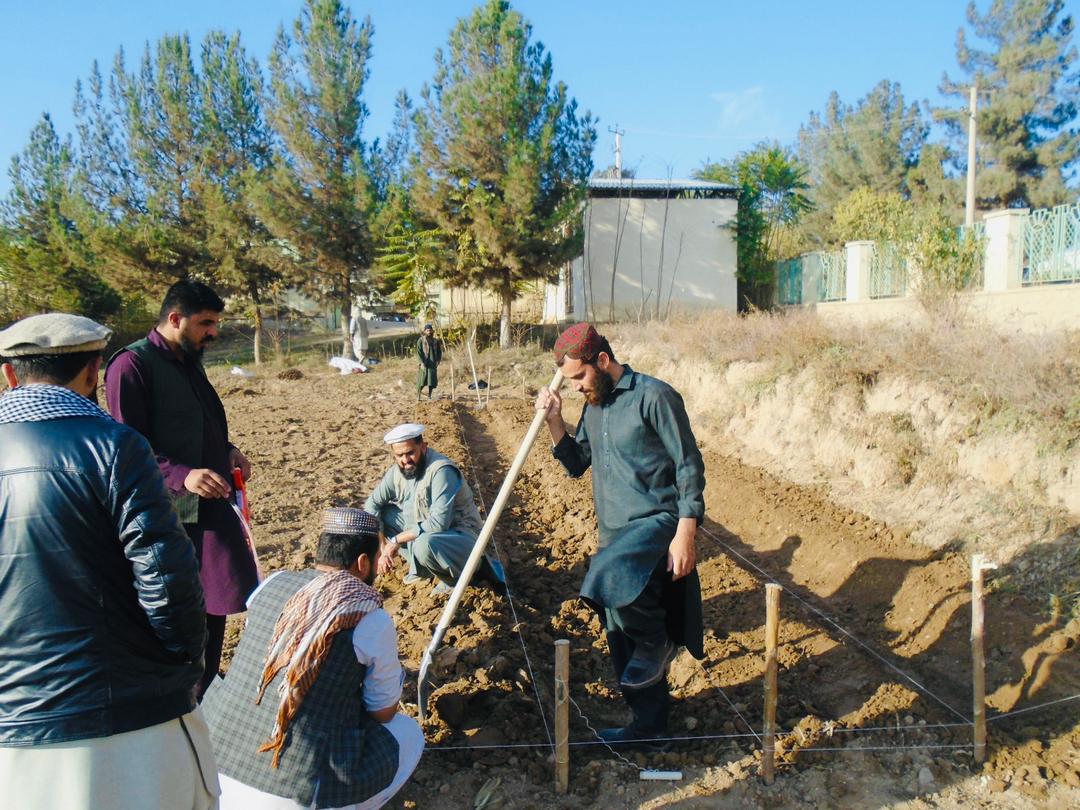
(667, 416)
(574, 453)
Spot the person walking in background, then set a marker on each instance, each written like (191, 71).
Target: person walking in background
(102, 620)
(335, 737)
(358, 330)
(429, 353)
(648, 482)
(157, 385)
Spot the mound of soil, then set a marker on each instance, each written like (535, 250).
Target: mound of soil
(874, 658)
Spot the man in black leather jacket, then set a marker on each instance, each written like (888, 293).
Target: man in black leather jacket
(102, 620)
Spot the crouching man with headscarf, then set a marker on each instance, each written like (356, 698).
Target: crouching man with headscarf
(308, 713)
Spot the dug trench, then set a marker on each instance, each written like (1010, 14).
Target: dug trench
(869, 723)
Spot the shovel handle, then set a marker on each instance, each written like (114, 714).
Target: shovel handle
(478, 549)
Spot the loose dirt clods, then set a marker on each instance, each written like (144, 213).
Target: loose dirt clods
(317, 442)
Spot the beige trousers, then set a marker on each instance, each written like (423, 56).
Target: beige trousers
(169, 766)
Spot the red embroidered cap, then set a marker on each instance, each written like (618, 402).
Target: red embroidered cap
(578, 342)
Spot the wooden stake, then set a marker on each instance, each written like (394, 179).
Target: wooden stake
(772, 632)
(562, 716)
(453, 390)
(472, 365)
(978, 658)
(487, 393)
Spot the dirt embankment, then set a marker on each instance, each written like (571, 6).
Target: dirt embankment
(316, 442)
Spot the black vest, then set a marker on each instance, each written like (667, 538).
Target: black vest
(334, 754)
(176, 417)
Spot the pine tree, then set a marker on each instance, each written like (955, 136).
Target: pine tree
(1028, 145)
(138, 169)
(319, 196)
(44, 263)
(873, 144)
(236, 155)
(503, 156)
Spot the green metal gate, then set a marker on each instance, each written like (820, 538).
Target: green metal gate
(1052, 245)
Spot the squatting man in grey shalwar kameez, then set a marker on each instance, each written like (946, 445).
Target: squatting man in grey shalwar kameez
(428, 513)
(648, 484)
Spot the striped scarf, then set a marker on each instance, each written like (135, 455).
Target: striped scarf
(40, 402)
(302, 638)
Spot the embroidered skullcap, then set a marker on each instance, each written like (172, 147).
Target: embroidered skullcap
(54, 333)
(343, 520)
(578, 342)
(403, 433)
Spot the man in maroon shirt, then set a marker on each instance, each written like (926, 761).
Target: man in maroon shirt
(157, 385)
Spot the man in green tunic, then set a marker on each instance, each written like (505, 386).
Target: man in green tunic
(429, 353)
(648, 489)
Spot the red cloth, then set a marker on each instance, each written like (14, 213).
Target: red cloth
(578, 342)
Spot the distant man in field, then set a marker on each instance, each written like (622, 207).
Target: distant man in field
(102, 622)
(308, 714)
(429, 355)
(157, 385)
(428, 513)
(648, 483)
(358, 330)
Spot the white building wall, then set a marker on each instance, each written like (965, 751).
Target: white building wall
(682, 250)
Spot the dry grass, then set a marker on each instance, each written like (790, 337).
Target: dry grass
(1011, 381)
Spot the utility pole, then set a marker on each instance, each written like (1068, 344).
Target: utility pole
(969, 203)
(618, 148)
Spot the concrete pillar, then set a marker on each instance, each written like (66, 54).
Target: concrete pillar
(859, 256)
(1003, 268)
(811, 278)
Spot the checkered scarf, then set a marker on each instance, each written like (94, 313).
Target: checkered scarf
(39, 402)
(302, 638)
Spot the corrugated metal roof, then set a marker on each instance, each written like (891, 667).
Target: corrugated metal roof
(639, 184)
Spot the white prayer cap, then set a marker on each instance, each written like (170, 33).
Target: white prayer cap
(402, 433)
(54, 333)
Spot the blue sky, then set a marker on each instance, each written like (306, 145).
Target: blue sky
(686, 80)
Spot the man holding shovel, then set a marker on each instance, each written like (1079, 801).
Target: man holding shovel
(648, 485)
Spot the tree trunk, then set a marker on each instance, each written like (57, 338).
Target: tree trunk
(258, 334)
(504, 317)
(346, 316)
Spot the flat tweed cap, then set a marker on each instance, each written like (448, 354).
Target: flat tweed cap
(578, 342)
(403, 433)
(343, 520)
(54, 333)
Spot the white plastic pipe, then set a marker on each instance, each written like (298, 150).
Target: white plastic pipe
(478, 550)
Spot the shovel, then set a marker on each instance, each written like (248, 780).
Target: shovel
(423, 686)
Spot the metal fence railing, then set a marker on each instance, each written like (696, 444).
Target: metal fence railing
(1051, 252)
(833, 285)
(888, 272)
(977, 230)
(789, 280)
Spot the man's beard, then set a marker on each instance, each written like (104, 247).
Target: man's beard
(191, 349)
(370, 578)
(93, 396)
(604, 386)
(416, 471)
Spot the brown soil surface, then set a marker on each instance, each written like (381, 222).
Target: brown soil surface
(316, 442)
